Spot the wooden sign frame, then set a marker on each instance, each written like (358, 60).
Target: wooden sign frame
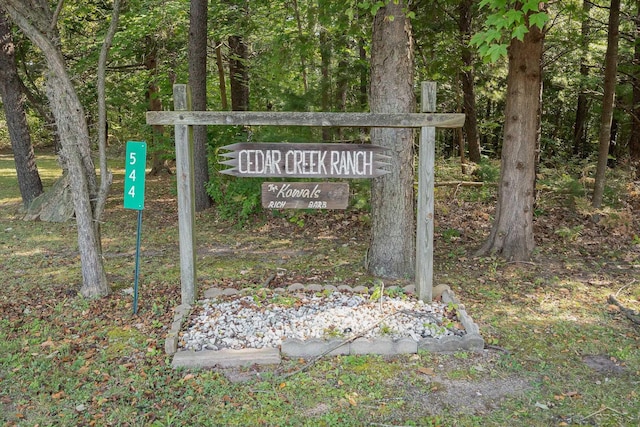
(183, 118)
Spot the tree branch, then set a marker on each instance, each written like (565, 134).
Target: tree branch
(630, 314)
(54, 18)
(105, 175)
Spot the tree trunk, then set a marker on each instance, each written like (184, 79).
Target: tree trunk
(342, 89)
(580, 125)
(74, 136)
(471, 117)
(392, 250)
(198, 83)
(512, 232)
(13, 102)
(634, 138)
(610, 74)
(238, 74)
(363, 94)
(221, 80)
(154, 103)
(106, 177)
(325, 81)
(303, 58)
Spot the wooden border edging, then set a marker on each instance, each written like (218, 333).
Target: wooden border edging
(319, 347)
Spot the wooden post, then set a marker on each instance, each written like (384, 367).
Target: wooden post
(425, 215)
(186, 196)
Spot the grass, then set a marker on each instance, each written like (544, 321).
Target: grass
(65, 360)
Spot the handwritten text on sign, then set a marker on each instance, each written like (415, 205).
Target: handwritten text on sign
(305, 195)
(305, 160)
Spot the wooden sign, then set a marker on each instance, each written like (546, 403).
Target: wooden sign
(305, 195)
(302, 160)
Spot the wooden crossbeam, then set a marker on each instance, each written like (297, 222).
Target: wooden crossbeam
(257, 118)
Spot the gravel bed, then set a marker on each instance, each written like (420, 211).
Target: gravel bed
(264, 320)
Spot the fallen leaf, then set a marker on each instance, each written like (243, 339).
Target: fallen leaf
(58, 395)
(426, 371)
(351, 397)
(47, 343)
(541, 405)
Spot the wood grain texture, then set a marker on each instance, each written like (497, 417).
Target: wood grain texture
(258, 118)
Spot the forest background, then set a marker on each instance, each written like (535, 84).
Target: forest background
(314, 56)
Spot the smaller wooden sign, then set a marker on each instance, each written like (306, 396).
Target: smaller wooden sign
(305, 195)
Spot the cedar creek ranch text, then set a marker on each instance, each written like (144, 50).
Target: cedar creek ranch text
(305, 162)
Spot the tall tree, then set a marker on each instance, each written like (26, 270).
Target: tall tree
(580, 124)
(610, 74)
(512, 231)
(13, 102)
(301, 36)
(392, 249)
(198, 83)
(154, 103)
(465, 19)
(239, 73)
(37, 21)
(634, 137)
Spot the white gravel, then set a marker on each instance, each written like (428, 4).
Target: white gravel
(266, 319)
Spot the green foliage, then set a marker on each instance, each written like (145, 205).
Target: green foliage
(236, 199)
(507, 20)
(569, 233)
(360, 197)
(451, 234)
(488, 171)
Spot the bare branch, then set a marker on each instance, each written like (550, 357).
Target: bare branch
(54, 18)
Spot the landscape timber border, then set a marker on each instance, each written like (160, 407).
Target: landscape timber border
(318, 347)
(182, 118)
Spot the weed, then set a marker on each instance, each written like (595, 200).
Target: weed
(570, 234)
(385, 329)
(451, 234)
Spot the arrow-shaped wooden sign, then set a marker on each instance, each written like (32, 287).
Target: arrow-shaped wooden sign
(305, 160)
